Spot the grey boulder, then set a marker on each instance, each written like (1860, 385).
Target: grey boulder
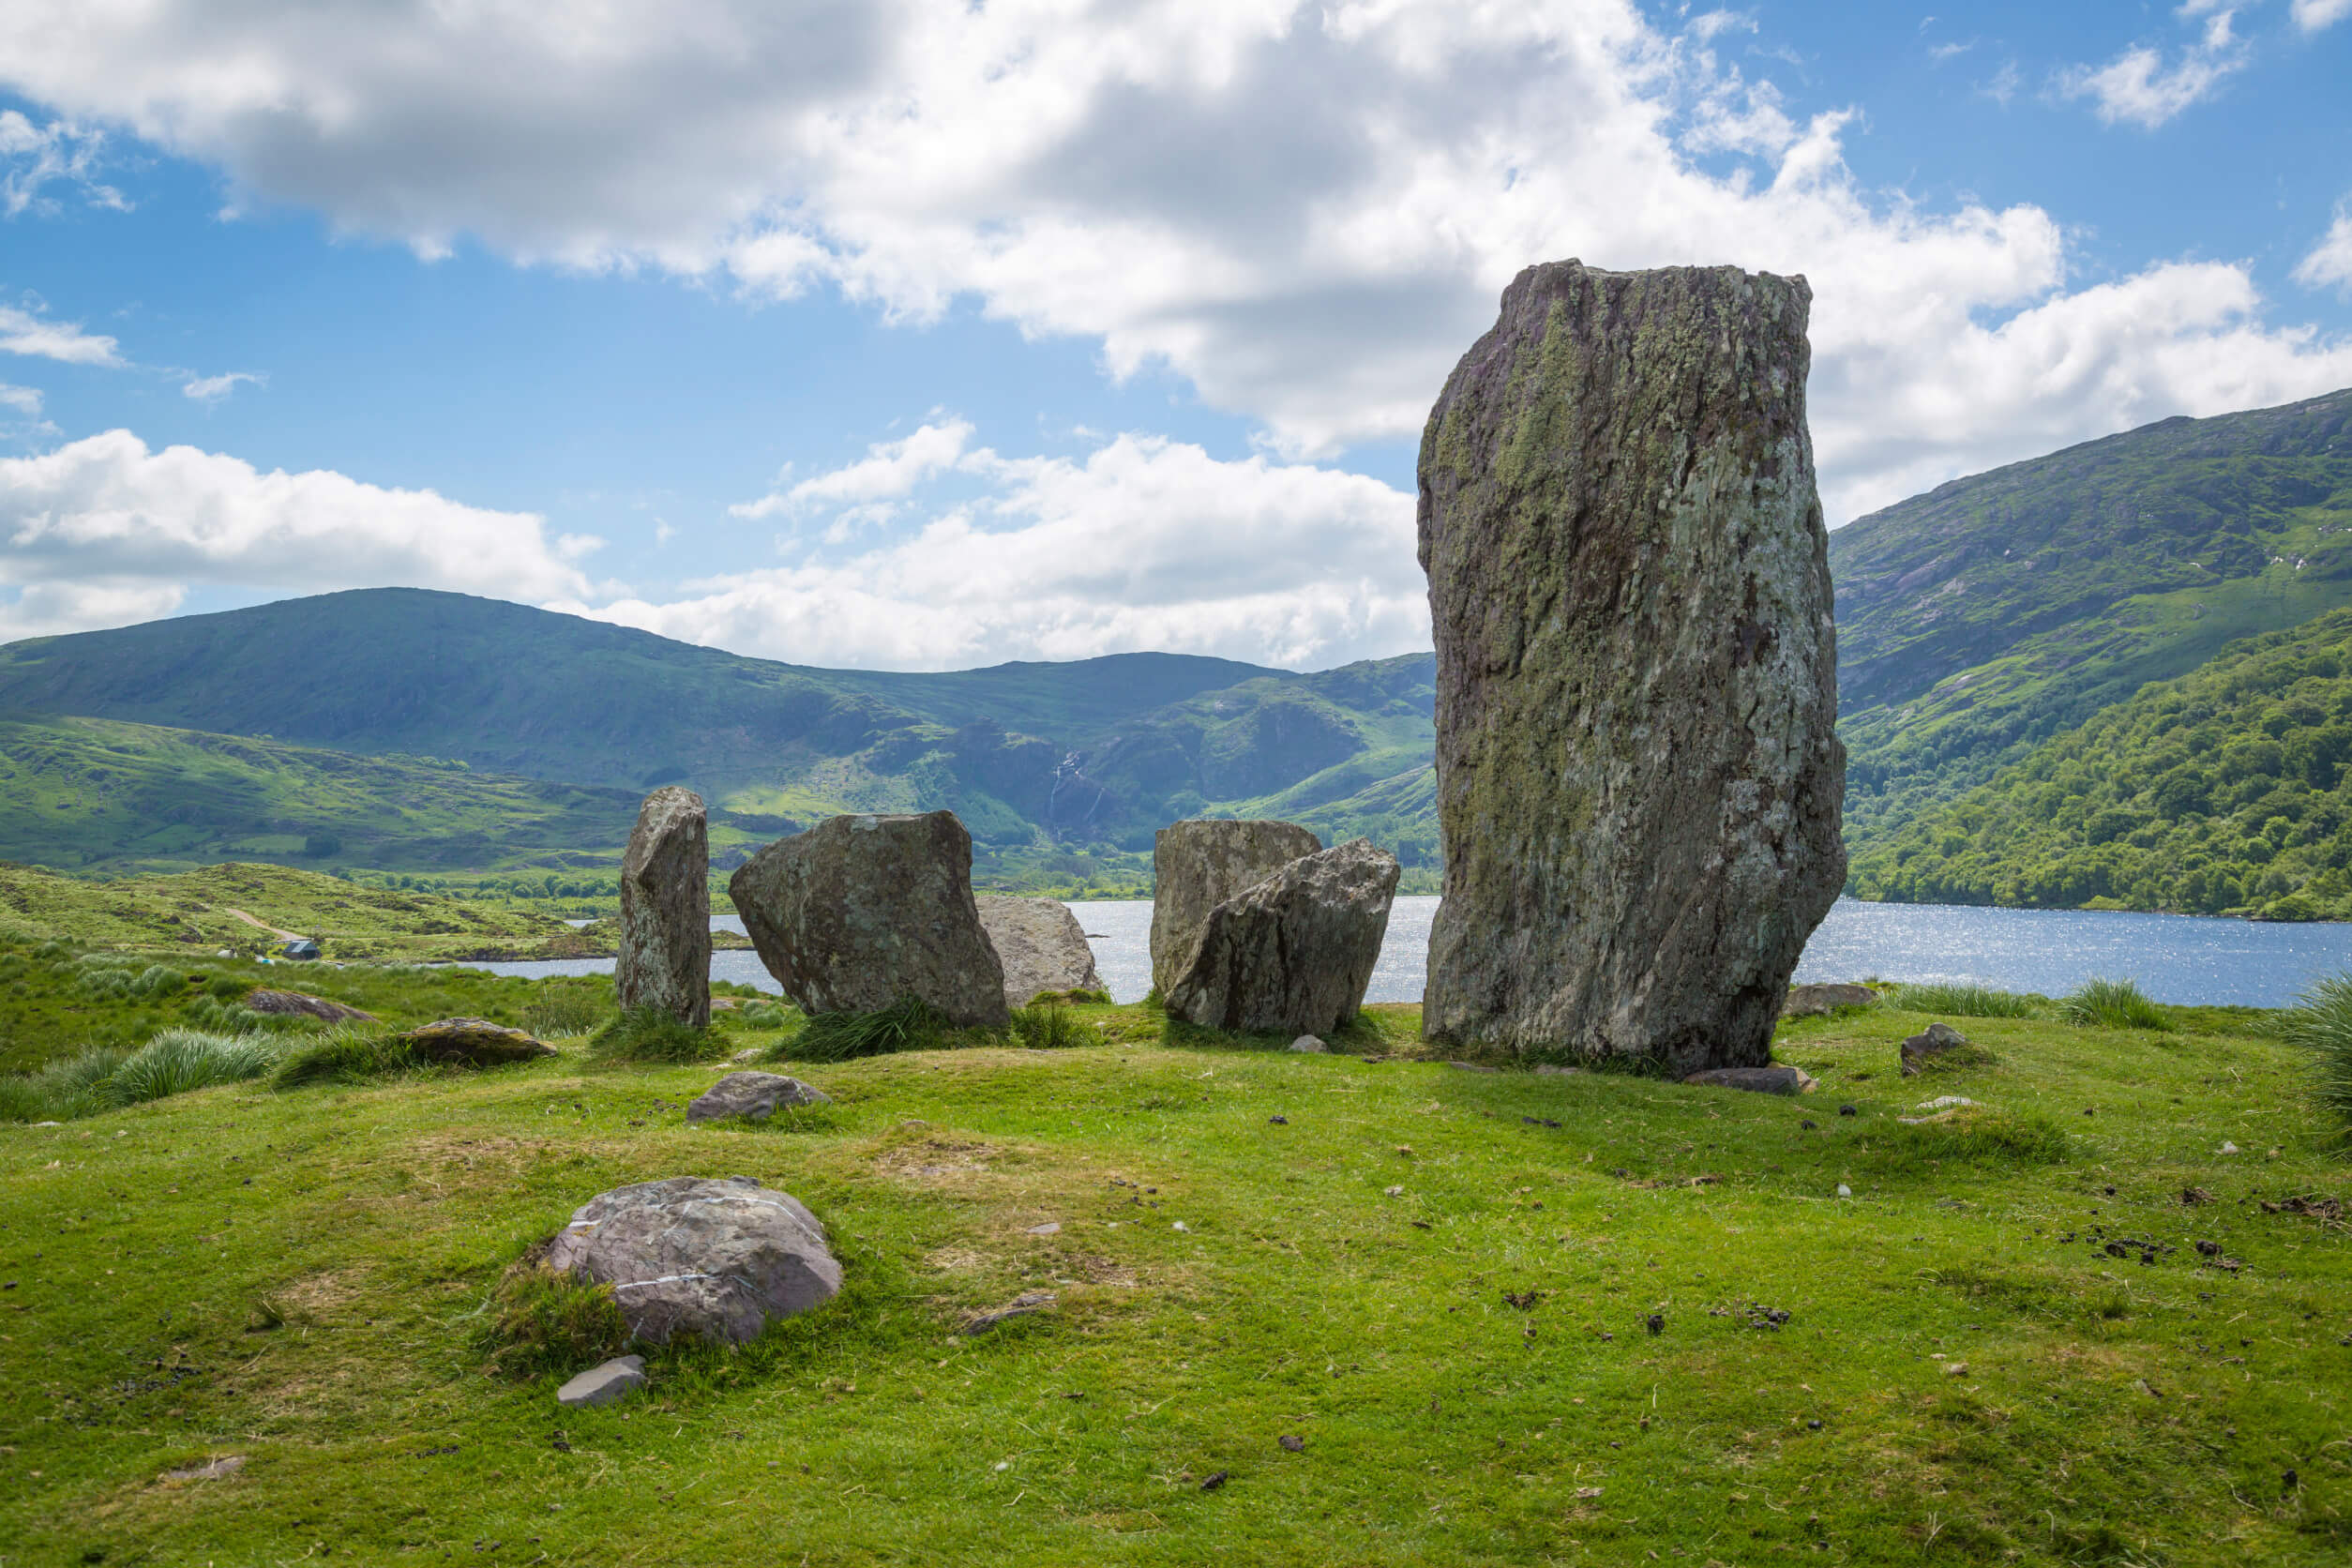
(1806, 1002)
(1197, 866)
(712, 1257)
(1041, 945)
(1309, 1045)
(474, 1043)
(665, 953)
(1295, 951)
(296, 1005)
(752, 1096)
(1758, 1080)
(1929, 1043)
(601, 1385)
(1637, 775)
(863, 912)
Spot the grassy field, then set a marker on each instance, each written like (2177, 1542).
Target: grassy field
(1511, 1318)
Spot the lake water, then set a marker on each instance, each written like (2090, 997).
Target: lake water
(2172, 957)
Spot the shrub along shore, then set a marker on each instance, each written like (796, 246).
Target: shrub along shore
(2097, 1315)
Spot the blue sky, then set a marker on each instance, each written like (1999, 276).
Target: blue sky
(907, 333)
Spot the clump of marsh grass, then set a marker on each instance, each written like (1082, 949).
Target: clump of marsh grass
(63, 1090)
(1959, 999)
(559, 1010)
(907, 1025)
(347, 1057)
(1046, 1024)
(2320, 1024)
(2111, 1005)
(178, 1059)
(650, 1035)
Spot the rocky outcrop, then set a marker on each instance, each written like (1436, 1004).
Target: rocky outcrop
(1292, 952)
(1197, 866)
(1637, 779)
(752, 1097)
(474, 1043)
(1041, 945)
(695, 1255)
(665, 937)
(860, 912)
(296, 1005)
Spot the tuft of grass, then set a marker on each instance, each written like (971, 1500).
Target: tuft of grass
(560, 1009)
(63, 1090)
(2321, 1025)
(1045, 1025)
(907, 1025)
(347, 1058)
(650, 1035)
(180, 1059)
(2111, 1005)
(541, 1321)
(1960, 1000)
(769, 1014)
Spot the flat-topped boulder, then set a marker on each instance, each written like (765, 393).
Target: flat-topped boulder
(1637, 774)
(474, 1043)
(1294, 951)
(863, 912)
(712, 1257)
(663, 961)
(1041, 945)
(1197, 866)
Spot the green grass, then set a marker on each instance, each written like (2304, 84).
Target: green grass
(650, 1035)
(1466, 1360)
(347, 1057)
(2320, 1026)
(1947, 999)
(2112, 1005)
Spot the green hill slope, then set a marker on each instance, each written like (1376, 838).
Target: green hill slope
(1996, 610)
(2223, 791)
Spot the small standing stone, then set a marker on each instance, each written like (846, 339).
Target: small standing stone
(1197, 866)
(601, 1385)
(1294, 951)
(665, 956)
(1041, 945)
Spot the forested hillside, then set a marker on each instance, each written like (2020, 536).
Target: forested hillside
(2223, 791)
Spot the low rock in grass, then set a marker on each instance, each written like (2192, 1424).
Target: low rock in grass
(1041, 945)
(1309, 1045)
(601, 1385)
(1807, 1002)
(1758, 1080)
(1933, 1041)
(474, 1043)
(712, 1257)
(753, 1097)
(296, 1005)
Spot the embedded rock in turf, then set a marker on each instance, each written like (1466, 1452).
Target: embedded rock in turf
(712, 1257)
(295, 1005)
(601, 1385)
(1638, 778)
(474, 1043)
(1931, 1042)
(860, 912)
(754, 1096)
(1197, 866)
(665, 953)
(1041, 945)
(1295, 951)
(1806, 1002)
(1761, 1081)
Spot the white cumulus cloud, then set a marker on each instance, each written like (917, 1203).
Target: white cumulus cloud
(104, 529)
(1143, 543)
(2329, 262)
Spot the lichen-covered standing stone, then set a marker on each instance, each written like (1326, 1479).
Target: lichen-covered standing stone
(1041, 945)
(665, 958)
(1197, 866)
(1294, 951)
(1638, 778)
(860, 912)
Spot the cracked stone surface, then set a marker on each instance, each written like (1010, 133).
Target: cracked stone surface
(714, 1257)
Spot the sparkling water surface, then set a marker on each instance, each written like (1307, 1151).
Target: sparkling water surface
(2172, 957)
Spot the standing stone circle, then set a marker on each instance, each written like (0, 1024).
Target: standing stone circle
(1295, 951)
(1041, 945)
(713, 1257)
(665, 960)
(863, 912)
(1638, 780)
(1197, 866)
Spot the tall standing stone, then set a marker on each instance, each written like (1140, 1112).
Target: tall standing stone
(665, 960)
(1638, 778)
(860, 912)
(1197, 866)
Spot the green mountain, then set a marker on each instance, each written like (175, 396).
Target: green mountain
(1997, 611)
(402, 729)
(2223, 792)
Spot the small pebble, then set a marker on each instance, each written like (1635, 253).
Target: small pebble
(1848, 1110)
(1292, 1442)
